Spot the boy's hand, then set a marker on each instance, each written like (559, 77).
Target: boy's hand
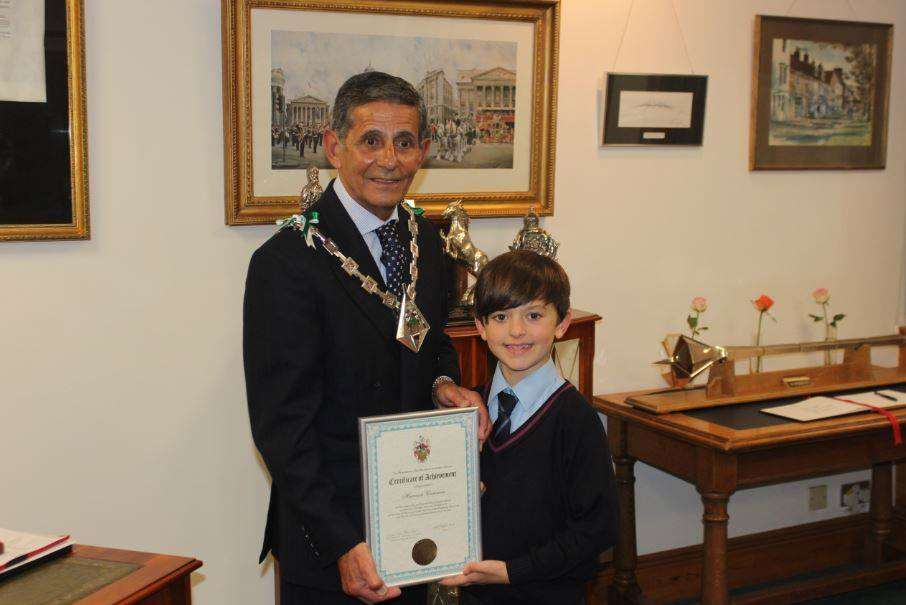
(359, 578)
(450, 395)
(480, 572)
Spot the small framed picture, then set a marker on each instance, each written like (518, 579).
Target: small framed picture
(654, 109)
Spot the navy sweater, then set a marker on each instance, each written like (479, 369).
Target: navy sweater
(550, 505)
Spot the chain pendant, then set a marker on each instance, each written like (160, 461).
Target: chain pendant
(412, 328)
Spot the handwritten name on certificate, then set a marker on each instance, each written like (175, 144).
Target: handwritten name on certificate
(421, 493)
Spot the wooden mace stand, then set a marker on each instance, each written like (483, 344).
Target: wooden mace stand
(724, 387)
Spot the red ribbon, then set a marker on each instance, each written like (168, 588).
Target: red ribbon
(893, 420)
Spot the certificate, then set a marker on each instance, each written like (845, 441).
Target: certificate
(421, 493)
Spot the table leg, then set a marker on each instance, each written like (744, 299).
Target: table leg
(587, 361)
(625, 589)
(881, 512)
(715, 590)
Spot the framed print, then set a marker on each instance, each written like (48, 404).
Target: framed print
(421, 492)
(43, 137)
(487, 72)
(820, 94)
(654, 109)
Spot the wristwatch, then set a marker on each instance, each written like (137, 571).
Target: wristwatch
(436, 385)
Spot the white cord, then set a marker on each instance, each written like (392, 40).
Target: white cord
(682, 36)
(678, 26)
(622, 36)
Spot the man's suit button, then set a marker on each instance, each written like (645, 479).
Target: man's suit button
(376, 384)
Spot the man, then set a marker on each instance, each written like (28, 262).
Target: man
(320, 351)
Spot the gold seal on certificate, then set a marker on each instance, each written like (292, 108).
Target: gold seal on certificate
(424, 551)
(421, 493)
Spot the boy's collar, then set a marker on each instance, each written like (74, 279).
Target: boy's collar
(529, 388)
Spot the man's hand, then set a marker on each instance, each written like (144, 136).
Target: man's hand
(450, 395)
(481, 572)
(359, 578)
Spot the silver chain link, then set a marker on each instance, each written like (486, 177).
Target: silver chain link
(351, 267)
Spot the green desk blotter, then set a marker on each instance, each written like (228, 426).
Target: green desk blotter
(61, 581)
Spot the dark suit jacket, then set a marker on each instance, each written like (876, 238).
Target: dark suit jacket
(319, 353)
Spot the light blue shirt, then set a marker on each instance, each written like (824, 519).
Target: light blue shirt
(365, 222)
(532, 391)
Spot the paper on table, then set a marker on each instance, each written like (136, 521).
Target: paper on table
(22, 51)
(817, 408)
(21, 548)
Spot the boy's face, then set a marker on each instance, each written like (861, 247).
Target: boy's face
(521, 338)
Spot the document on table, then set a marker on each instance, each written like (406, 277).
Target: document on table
(22, 76)
(421, 493)
(20, 548)
(818, 408)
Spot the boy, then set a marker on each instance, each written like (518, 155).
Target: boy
(550, 504)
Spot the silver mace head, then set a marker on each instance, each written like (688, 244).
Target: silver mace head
(688, 357)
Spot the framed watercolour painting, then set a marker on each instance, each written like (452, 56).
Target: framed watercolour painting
(654, 109)
(486, 71)
(43, 133)
(820, 94)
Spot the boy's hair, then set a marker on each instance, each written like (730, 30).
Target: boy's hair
(519, 277)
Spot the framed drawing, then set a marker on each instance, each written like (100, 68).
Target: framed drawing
(820, 94)
(654, 109)
(43, 137)
(487, 73)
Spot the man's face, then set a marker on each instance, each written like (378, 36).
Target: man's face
(521, 338)
(379, 156)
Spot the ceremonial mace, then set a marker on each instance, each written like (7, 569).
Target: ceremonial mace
(687, 358)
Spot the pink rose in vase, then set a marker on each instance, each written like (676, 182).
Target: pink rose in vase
(698, 305)
(821, 296)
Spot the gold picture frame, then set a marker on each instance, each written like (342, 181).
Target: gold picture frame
(54, 211)
(264, 138)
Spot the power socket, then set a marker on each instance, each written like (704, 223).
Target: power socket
(817, 497)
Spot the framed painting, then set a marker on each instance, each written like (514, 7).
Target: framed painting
(487, 72)
(820, 94)
(654, 109)
(43, 137)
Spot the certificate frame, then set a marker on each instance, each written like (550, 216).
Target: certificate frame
(452, 424)
(49, 145)
(261, 94)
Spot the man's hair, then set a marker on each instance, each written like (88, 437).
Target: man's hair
(519, 277)
(370, 86)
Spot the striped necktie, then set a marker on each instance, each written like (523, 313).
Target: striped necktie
(506, 402)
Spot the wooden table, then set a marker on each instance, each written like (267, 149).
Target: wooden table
(477, 364)
(86, 576)
(724, 449)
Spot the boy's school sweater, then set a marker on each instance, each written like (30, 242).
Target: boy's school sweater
(550, 505)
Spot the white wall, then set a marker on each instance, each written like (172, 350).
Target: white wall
(123, 414)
